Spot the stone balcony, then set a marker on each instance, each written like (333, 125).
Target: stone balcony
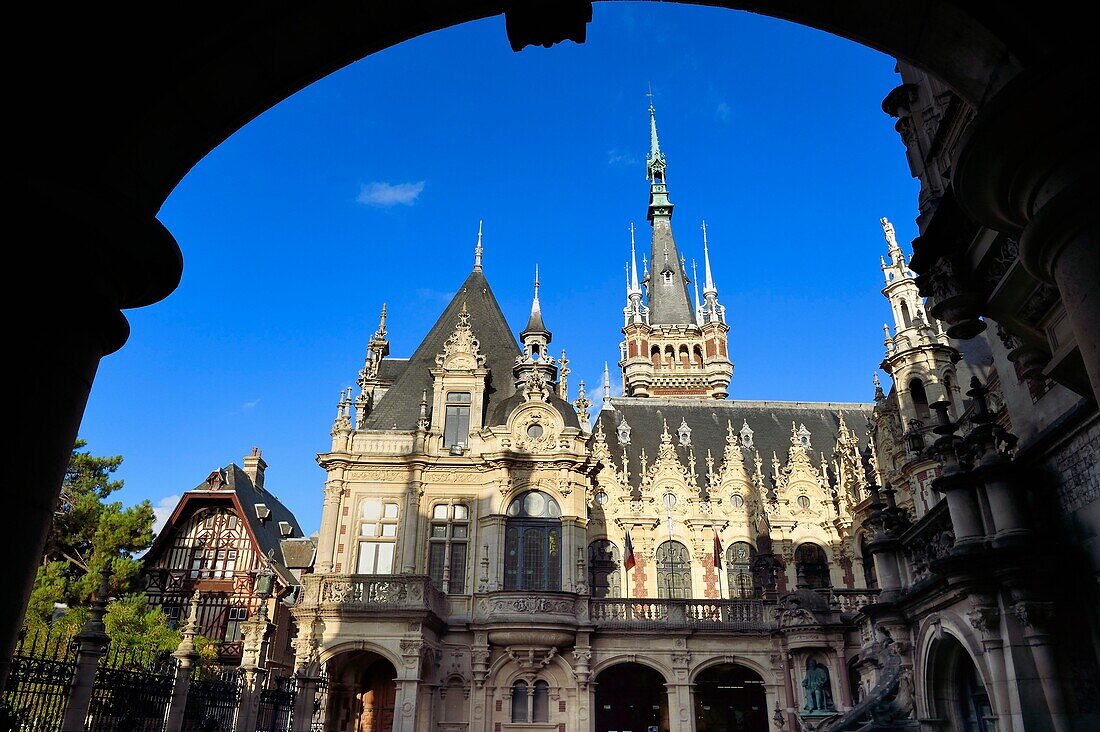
(377, 597)
(724, 616)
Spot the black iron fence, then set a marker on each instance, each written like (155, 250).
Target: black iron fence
(320, 704)
(212, 701)
(277, 704)
(39, 680)
(131, 692)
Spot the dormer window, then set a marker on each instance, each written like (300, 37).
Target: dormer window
(746, 435)
(803, 436)
(456, 427)
(684, 433)
(624, 433)
(666, 276)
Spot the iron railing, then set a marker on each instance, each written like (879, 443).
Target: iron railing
(276, 710)
(131, 692)
(320, 704)
(212, 702)
(39, 680)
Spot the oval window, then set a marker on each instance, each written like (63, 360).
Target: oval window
(534, 431)
(804, 501)
(737, 501)
(601, 498)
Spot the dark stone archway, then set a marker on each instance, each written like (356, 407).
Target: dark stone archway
(630, 696)
(117, 104)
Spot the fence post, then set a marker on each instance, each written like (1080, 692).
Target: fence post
(253, 659)
(92, 640)
(186, 654)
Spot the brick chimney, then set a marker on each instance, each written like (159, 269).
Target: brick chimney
(254, 466)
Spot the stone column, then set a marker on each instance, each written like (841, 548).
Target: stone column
(1034, 617)
(405, 708)
(410, 522)
(680, 710)
(253, 661)
(59, 358)
(330, 518)
(93, 644)
(843, 686)
(186, 654)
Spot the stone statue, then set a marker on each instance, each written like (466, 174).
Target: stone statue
(816, 690)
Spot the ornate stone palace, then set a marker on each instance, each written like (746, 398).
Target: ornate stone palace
(495, 557)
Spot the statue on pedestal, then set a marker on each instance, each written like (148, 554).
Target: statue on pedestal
(816, 692)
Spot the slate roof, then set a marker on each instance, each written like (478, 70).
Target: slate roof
(400, 407)
(668, 304)
(391, 369)
(770, 422)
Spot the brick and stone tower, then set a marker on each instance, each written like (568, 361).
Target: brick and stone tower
(670, 349)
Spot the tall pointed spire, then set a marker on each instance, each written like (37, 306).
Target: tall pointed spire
(655, 162)
(709, 286)
(695, 283)
(534, 323)
(478, 250)
(606, 389)
(634, 285)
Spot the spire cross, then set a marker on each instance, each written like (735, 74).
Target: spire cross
(478, 250)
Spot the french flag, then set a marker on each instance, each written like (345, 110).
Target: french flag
(628, 554)
(717, 551)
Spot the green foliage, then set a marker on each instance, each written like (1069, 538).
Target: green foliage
(85, 533)
(133, 624)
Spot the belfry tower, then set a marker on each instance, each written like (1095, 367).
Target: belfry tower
(671, 349)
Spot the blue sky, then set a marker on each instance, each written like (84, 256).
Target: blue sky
(367, 187)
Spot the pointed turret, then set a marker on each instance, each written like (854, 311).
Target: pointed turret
(635, 310)
(606, 389)
(713, 312)
(478, 251)
(535, 326)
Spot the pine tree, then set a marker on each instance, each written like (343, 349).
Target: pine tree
(85, 532)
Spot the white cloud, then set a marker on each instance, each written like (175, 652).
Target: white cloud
(385, 195)
(723, 111)
(596, 394)
(614, 157)
(162, 510)
(250, 405)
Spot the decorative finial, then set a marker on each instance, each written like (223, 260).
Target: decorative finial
(635, 288)
(695, 282)
(708, 287)
(478, 250)
(536, 282)
(606, 389)
(581, 406)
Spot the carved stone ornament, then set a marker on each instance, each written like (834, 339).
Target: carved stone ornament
(533, 605)
(984, 618)
(535, 431)
(461, 351)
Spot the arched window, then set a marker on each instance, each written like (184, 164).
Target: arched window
(869, 575)
(698, 353)
(532, 543)
(684, 359)
(812, 566)
(540, 702)
(670, 356)
(920, 399)
(905, 317)
(739, 556)
(519, 701)
(655, 355)
(604, 578)
(673, 571)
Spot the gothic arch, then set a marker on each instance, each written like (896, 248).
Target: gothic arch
(641, 660)
(931, 636)
(764, 672)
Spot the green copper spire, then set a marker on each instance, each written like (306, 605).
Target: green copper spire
(655, 162)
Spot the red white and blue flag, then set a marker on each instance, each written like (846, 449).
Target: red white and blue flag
(628, 554)
(717, 551)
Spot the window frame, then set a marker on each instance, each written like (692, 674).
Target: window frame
(456, 412)
(378, 538)
(452, 569)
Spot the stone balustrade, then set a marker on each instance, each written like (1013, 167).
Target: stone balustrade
(927, 540)
(849, 601)
(372, 593)
(748, 616)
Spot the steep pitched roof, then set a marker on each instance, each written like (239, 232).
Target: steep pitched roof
(769, 421)
(669, 303)
(400, 407)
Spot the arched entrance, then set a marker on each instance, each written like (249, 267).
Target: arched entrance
(730, 698)
(958, 696)
(362, 690)
(630, 696)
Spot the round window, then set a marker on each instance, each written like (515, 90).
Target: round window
(737, 501)
(601, 498)
(534, 431)
(804, 501)
(669, 499)
(534, 504)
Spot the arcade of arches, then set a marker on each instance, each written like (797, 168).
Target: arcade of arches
(1023, 177)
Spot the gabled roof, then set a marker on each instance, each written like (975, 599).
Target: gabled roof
(400, 407)
(769, 421)
(237, 489)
